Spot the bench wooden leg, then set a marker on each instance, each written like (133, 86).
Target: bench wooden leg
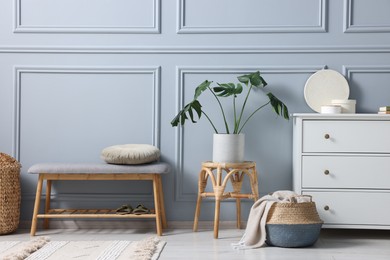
(162, 205)
(47, 203)
(36, 205)
(157, 203)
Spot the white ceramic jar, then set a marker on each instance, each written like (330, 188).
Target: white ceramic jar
(348, 106)
(331, 109)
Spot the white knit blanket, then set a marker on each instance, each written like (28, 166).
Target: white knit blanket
(255, 234)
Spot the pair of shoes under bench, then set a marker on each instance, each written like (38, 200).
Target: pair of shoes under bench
(127, 209)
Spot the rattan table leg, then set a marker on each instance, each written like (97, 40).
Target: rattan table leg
(238, 210)
(34, 222)
(236, 180)
(216, 217)
(197, 213)
(47, 203)
(202, 182)
(254, 185)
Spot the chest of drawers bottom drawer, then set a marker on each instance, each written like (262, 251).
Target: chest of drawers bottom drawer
(365, 208)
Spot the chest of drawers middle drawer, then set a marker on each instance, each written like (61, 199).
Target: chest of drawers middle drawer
(346, 172)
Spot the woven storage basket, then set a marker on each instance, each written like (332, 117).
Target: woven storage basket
(9, 194)
(293, 224)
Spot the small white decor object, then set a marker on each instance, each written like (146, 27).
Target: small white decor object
(331, 109)
(324, 86)
(348, 106)
(228, 148)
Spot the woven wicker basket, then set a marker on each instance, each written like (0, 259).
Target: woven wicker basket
(9, 194)
(293, 224)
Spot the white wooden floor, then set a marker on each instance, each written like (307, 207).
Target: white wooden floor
(185, 244)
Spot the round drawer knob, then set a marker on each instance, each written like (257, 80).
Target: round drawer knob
(327, 136)
(326, 172)
(326, 207)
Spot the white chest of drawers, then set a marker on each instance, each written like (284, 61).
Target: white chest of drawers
(343, 161)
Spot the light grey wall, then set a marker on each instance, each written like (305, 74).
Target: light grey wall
(77, 76)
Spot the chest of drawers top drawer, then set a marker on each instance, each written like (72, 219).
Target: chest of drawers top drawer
(349, 136)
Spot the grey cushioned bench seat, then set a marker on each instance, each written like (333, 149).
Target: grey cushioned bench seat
(97, 172)
(85, 168)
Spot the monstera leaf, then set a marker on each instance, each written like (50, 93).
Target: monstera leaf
(189, 109)
(228, 89)
(202, 87)
(279, 107)
(254, 79)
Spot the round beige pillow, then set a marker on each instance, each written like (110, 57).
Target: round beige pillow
(130, 154)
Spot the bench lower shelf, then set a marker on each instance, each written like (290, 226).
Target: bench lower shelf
(91, 213)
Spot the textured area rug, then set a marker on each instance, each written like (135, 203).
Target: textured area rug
(41, 249)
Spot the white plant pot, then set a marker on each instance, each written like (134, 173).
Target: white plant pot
(228, 148)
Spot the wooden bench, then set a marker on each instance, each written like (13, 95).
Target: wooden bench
(97, 171)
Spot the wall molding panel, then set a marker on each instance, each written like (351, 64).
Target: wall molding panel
(198, 50)
(288, 27)
(36, 24)
(19, 71)
(180, 193)
(348, 70)
(351, 24)
(369, 86)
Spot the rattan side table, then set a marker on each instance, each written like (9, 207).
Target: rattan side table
(220, 174)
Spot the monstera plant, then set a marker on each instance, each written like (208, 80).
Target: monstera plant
(225, 90)
(229, 146)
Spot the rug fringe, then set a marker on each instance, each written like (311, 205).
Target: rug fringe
(146, 248)
(28, 249)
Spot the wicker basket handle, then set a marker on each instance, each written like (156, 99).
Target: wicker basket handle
(294, 198)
